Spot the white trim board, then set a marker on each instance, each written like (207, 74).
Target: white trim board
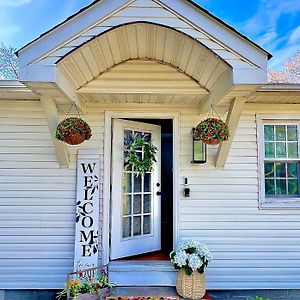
(109, 115)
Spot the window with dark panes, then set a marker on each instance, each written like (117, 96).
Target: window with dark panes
(281, 160)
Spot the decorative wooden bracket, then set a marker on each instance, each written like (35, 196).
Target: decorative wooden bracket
(232, 121)
(63, 82)
(51, 113)
(219, 89)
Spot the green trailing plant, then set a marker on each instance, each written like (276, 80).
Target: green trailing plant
(140, 154)
(73, 131)
(211, 131)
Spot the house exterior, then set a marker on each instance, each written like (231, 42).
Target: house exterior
(156, 67)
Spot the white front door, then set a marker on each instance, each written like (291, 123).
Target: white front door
(135, 199)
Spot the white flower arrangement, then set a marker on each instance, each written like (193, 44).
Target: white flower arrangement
(192, 256)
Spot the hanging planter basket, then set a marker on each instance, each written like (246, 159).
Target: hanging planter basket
(211, 131)
(73, 131)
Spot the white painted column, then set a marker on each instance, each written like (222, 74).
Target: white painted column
(87, 210)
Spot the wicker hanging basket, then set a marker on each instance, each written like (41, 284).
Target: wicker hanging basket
(73, 131)
(191, 286)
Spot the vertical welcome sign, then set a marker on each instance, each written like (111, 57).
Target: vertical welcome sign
(87, 210)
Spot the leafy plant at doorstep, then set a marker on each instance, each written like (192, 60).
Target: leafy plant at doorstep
(73, 130)
(141, 163)
(86, 285)
(211, 131)
(191, 256)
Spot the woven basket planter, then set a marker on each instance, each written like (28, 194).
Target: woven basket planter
(191, 287)
(210, 142)
(75, 139)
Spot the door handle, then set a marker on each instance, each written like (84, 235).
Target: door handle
(158, 193)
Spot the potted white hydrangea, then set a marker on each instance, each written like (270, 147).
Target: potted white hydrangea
(191, 258)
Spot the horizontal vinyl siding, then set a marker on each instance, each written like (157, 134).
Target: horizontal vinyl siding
(37, 199)
(252, 248)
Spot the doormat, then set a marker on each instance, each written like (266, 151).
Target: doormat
(142, 298)
(206, 297)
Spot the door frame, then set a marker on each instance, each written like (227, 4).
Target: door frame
(109, 116)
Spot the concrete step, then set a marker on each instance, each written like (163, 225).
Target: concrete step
(142, 273)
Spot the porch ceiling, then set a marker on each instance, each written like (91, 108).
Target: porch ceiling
(140, 76)
(198, 68)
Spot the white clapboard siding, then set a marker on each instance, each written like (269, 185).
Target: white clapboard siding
(252, 248)
(256, 248)
(37, 199)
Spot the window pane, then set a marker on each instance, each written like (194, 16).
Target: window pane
(147, 182)
(269, 170)
(128, 136)
(127, 183)
(147, 225)
(126, 227)
(293, 187)
(270, 150)
(138, 134)
(137, 226)
(269, 133)
(292, 170)
(280, 132)
(137, 183)
(293, 150)
(280, 170)
(292, 133)
(281, 187)
(147, 204)
(127, 141)
(270, 186)
(280, 150)
(147, 137)
(127, 205)
(137, 204)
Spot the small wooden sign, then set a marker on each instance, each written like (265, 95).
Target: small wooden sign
(87, 210)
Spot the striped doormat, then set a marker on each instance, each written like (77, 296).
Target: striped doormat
(206, 297)
(142, 298)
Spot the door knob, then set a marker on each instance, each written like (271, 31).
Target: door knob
(158, 193)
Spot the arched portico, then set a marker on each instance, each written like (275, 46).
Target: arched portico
(208, 74)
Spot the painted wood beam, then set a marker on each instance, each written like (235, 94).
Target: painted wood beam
(143, 90)
(64, 84)
(50, 109)
(219, 89)
(232, 121)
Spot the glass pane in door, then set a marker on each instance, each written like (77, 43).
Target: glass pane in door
(137, 193)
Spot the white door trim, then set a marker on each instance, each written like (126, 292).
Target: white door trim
(109, 115)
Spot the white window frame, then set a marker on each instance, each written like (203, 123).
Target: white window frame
(274, 202)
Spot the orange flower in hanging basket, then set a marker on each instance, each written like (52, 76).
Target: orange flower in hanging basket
(73, 131)
(211, 131)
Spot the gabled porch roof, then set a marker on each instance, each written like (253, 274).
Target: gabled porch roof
(182, 15)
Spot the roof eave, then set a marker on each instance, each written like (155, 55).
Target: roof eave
(269, 55)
